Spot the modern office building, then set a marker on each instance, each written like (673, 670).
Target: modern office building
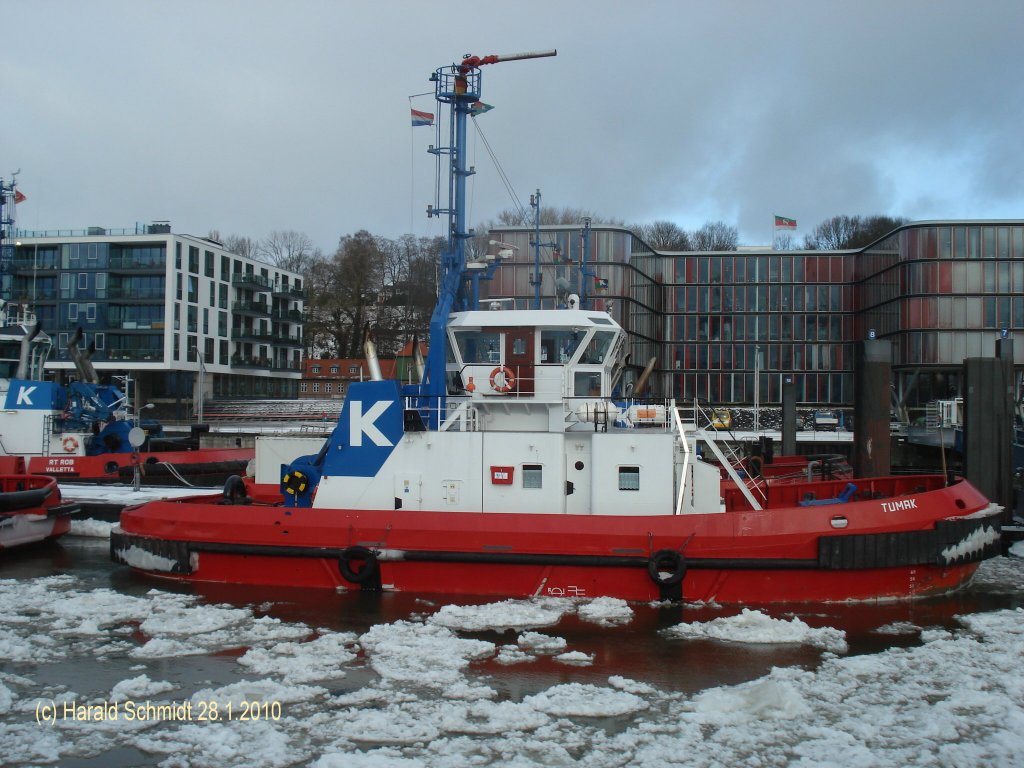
(172, 311)
(729, 326)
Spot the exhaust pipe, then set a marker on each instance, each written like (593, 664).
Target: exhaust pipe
(26, 350)
(417, 358)
(86, 372)
(370, 350)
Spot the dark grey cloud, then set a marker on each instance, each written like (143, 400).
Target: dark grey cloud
(248, 117)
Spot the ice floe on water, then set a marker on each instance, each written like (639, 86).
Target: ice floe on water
(431, 691)
(752, 626)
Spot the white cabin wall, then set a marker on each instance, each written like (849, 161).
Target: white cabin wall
(514, 449)
(650, 451)
(703, 488)
(24, 432)
(272, 452)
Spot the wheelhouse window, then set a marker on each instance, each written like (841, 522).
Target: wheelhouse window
(558, 346)
(479, 346)
(629, 478)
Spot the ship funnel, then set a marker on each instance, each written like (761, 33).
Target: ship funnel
(417, 358)
(370, 350)
(26, 350)
(641, 382)
(85, 370)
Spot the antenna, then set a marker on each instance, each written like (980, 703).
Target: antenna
(459, 86)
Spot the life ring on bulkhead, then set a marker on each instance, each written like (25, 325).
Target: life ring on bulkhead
(666, 567)
(508, 379)
(370, 565)
(70, 444)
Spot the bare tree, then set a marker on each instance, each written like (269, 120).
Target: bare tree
(841, 232)
(664, 235)
(784, 242)
(242, 246)
(289, 250)
(714, 236)
(551, 215)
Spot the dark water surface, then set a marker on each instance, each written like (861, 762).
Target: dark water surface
(638, 650)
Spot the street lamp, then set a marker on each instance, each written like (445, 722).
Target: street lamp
(202, 376)
(136, 438)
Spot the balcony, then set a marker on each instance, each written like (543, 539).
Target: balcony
(285, 291)
(254, 282)
(248, 334)
(288, 316)
(135, 264)
(135, 294)
(136, 355)
(243, 361)
(251, 308)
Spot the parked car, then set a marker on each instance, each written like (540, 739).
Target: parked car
(721, 418)
(825, 420)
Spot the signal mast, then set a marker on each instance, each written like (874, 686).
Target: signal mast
(458, 86)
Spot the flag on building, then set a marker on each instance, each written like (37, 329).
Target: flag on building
(479, 108)
(601, 284)
(781, 222)
(421, 118)
(18, 197)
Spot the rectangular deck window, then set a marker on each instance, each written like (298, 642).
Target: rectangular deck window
(532, 475)
(629, 478)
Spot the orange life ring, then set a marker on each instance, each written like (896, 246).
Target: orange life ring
(70, 444)
(508, 378)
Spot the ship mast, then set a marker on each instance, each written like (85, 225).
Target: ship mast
(458, 86)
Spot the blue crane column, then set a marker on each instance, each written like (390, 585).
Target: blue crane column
(459, 86)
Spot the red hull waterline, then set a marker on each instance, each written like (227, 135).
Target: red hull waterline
(916, 545)
(209, 466)
(31, 510)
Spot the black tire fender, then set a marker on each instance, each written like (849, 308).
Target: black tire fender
(234, 491)
(370, 568)
(667, 567)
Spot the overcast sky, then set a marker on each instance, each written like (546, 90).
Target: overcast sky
(249, 117)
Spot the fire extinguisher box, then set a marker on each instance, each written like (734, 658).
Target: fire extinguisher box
(501, 475)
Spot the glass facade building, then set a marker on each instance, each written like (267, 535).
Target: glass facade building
(729, 326)
(158, 305)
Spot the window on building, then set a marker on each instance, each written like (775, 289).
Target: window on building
(629, 478)
(90, 312)
(193, 260)
(72, 311)
(83, 280)
(334, 369)
(328, 388)
(302, 387)
(101, 340)
(316, 369)
(316, 386)
(208, 263)
(533, 475)
(353, 369)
